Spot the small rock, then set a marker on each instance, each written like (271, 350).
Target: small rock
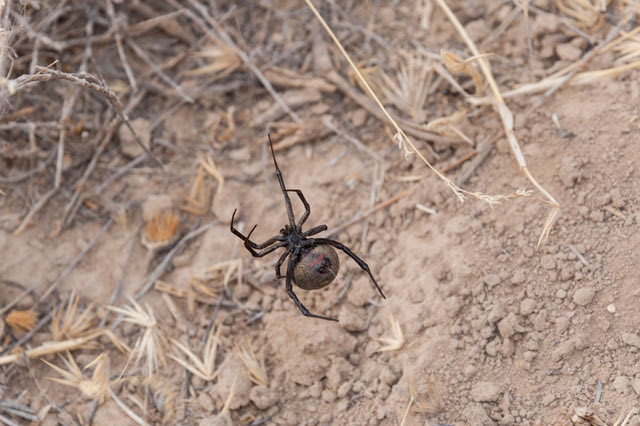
(344, 389)
(616, 198)
(548, 399)
(527, 307)
(206, 402)
(508, 420)
(328, 396)
(508, 348)
(486, 392)
(621, 383)
(529, 356)
(475, 414)
(568, 52)
(583, 296)
(635, 384)
(611, 308)
(389, 377)
(262, 397)
(519, 277)
(492, 280)
(631, 339)
(497, 313)
(548, 262)
(128, 143)
(561, 294)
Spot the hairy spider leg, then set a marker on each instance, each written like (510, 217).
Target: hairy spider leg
(352, 255)
(307, 207)
(293, 296)
(250, 245)
(287, 200)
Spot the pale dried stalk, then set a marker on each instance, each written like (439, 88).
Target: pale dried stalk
(507, 120)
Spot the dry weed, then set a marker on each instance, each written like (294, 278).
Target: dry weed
(204, 368)
(69, 323)
(161, 231)
(392, 343)
(98, 387)
(22, 320)
(411, 86)
(151, 344)
(257, 369)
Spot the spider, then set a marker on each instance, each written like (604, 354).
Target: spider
(313, 263)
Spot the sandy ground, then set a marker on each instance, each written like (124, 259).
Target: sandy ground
(493, 331)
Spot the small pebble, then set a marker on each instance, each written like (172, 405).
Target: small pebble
(486, 392)
(527, 307)
(262, 397)
(519, 277)
(631, 339)
(568, 52)
(548, 262)
(621, 383)
(611, 308)
(583, 296)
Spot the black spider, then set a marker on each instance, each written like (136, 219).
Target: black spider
(313, 263)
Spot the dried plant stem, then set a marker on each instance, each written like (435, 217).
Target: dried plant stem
(50, 348)
(507, 119)
(240, 53)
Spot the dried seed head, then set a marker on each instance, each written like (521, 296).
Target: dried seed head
(161, 230)
(22, 320)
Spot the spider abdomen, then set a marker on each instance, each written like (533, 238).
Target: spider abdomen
(316, 267)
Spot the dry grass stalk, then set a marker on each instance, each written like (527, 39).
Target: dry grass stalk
(22, 320)
(456, 64)
(257, 369)
(583, 14)
(204, 368)
(405, 144)
(446, 126)
(63, 346)
(98, 387)
(507, 121)
(152, 344)
(161, 231)
(198, 201)
(68, 324)
(392, 343)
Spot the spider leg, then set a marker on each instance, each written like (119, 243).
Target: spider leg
(287, 200)
(251, 246)
(307, 207)
(314, 231)
(351, 254)
(293, 296)
(281, 260)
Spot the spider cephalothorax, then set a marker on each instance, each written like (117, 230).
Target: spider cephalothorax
(313, 262)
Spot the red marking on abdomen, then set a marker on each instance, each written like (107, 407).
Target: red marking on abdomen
(318, 259)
